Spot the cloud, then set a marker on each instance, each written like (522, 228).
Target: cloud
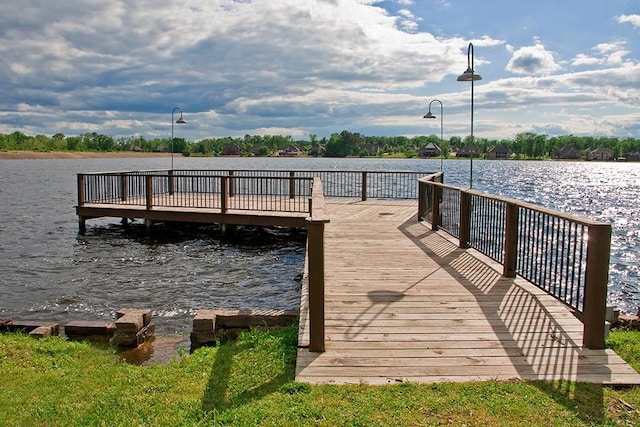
(289, 66)
(408, 21)
(631, 19)
(532, 60)
(604, 53)
(233, 57)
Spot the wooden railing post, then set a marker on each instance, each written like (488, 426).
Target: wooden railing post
(422, 199)
(224, 193)
(232, 188)
(149, 191)
(171, 184)
(364, 186)
(81, 179)
(595, 288)
(82, 223)
(315, 236)
(123, 186)
(510, 241)
(315, 251)
(292, 185)
(465, 219)
(436, 195)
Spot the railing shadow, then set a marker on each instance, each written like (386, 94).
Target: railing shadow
(537, 344)
(220, 394)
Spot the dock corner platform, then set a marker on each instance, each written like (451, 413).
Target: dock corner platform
(404, 303)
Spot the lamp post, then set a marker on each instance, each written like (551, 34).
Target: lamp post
(179, 121)
(430, 115)
(470, 76)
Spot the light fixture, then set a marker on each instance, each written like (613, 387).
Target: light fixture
(470, 76)
(430, 115)
(180, 121)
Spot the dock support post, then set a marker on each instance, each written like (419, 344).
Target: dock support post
(148, 224)
(595, 288)
(82, 225)
(315, 239)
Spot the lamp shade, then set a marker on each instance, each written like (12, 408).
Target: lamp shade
(469, 76)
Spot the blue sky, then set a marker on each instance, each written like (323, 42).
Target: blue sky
(301, 67)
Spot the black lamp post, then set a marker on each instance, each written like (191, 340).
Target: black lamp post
(470, 76)
(430, 115)
(179, 121)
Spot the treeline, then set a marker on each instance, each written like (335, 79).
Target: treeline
(526, 145)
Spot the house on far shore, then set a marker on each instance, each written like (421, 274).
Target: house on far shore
(430, 150)
(568, 152)
(289, 151)
(601, 154)
(230, 149)
(470, 151)
(162, 149)
(316, 150)
(500, 151)
(634, 157)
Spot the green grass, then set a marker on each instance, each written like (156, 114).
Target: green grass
(53, 382)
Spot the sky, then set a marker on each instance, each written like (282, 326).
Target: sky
(317, 67)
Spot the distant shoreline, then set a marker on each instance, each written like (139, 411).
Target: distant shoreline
(38, 155)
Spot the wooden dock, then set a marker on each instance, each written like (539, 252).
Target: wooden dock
(404, 303)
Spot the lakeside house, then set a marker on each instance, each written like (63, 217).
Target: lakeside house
(601, 154)
(469, 151)
(289, 151)
(230, 149)
(500, 151)
(568, 152)
(430, 150)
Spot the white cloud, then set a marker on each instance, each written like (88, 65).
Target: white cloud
(632, 19)
(408, 21)
(604, 53)
(289, 66)
(532, 60)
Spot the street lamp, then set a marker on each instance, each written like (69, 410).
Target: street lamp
(180, 121)
(470, 76)
(430, 115)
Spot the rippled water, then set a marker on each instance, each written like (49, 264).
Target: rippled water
(50, 272)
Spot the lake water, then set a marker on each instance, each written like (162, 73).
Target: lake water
(49, 272)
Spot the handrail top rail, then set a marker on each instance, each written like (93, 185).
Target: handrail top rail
(319, 208)
(520, 203)
(147, 171)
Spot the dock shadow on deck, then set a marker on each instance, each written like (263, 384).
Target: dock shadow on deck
(404, 303)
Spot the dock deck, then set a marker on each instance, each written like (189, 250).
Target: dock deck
(404, 303)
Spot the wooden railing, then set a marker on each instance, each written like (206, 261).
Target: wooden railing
(213, 188)
(206, 191)
(565, 255)
(353, 184)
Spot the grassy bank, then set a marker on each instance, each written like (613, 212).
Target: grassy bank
(53, 382)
